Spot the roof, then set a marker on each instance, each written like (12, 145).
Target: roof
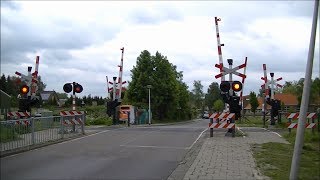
(46, 94)
(287, 99)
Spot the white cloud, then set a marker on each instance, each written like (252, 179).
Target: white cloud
(81, 41)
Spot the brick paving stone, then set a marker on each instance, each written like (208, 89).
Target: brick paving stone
(224, 157)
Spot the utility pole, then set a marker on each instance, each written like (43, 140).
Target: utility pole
(149, 87)
(305, 99)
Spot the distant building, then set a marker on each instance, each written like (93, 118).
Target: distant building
(50, 97)
(288, 101)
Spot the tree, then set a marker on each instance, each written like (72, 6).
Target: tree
(41, 85)
(62, 95)
(212, 95)
(296, 88)
(253, 102)
(198, 95)
(3, 83)
(168, 93)
(218, 105)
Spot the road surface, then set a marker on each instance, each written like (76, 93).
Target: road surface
(125, 153)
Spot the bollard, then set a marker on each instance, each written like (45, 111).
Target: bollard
(129, 119)
(61, 127)
(32, 131)
(211, 129)
(312, 120)
(83, 121)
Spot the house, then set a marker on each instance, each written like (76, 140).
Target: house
(289, 103)
(50, 97)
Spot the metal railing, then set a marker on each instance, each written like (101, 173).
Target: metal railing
(22, 133)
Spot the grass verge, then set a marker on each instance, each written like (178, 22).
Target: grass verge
(274, 159)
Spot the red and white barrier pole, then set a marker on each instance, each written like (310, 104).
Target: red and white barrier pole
(34, 87)
(265, 80)
(120, 76)
(219, 46)
(244, 72)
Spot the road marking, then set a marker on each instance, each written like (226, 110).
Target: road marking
(272, 132)
(84, 137)
(243, 135)
(276, 133)
(198, 138)
(158, 147)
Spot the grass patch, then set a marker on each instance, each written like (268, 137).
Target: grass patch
(250, 121)
(274, 159)
(98, 121)
(166, 121)
(7, 134)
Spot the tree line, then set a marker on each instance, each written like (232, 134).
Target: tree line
(11, 86)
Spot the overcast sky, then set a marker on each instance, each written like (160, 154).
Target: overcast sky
(80, 40)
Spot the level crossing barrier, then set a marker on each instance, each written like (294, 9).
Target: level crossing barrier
(295, 116)
(222, 120)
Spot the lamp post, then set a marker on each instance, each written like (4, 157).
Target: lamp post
(149, 87)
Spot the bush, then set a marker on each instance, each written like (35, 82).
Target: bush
(7, 134)
(98, 121)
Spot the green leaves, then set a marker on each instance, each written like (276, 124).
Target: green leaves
(253, 101)
(169, 95)
(218, 105)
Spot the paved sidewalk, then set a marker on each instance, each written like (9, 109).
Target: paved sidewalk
(224, 157)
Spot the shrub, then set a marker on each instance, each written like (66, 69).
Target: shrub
(98, 121)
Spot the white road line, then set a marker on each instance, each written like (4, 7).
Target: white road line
(198, 138)
(241, 132)
(158, 147)
(272, 132)
(275, 133)
(83, 137)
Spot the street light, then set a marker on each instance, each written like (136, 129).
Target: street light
(149, 87)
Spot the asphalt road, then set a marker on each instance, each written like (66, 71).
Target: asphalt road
(125, 153)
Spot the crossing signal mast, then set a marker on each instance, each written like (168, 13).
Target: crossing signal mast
(75, 88)
(28, 97)
(230, 87)
(116, 91)
(269, 95)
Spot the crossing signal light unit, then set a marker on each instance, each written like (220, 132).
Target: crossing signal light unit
(24, 89)
(235, 85)
(67, 87)
(225, 86)
(77, 88)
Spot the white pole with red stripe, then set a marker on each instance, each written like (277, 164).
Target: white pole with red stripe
(219, 46)
(244, 72)
(120, 76)
(107, 87)
(265, 78)
(114, 88)
(34, 87)
(230, 62)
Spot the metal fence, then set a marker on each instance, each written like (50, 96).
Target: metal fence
(21, 133)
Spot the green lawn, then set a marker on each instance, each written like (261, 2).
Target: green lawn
(274, 159)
